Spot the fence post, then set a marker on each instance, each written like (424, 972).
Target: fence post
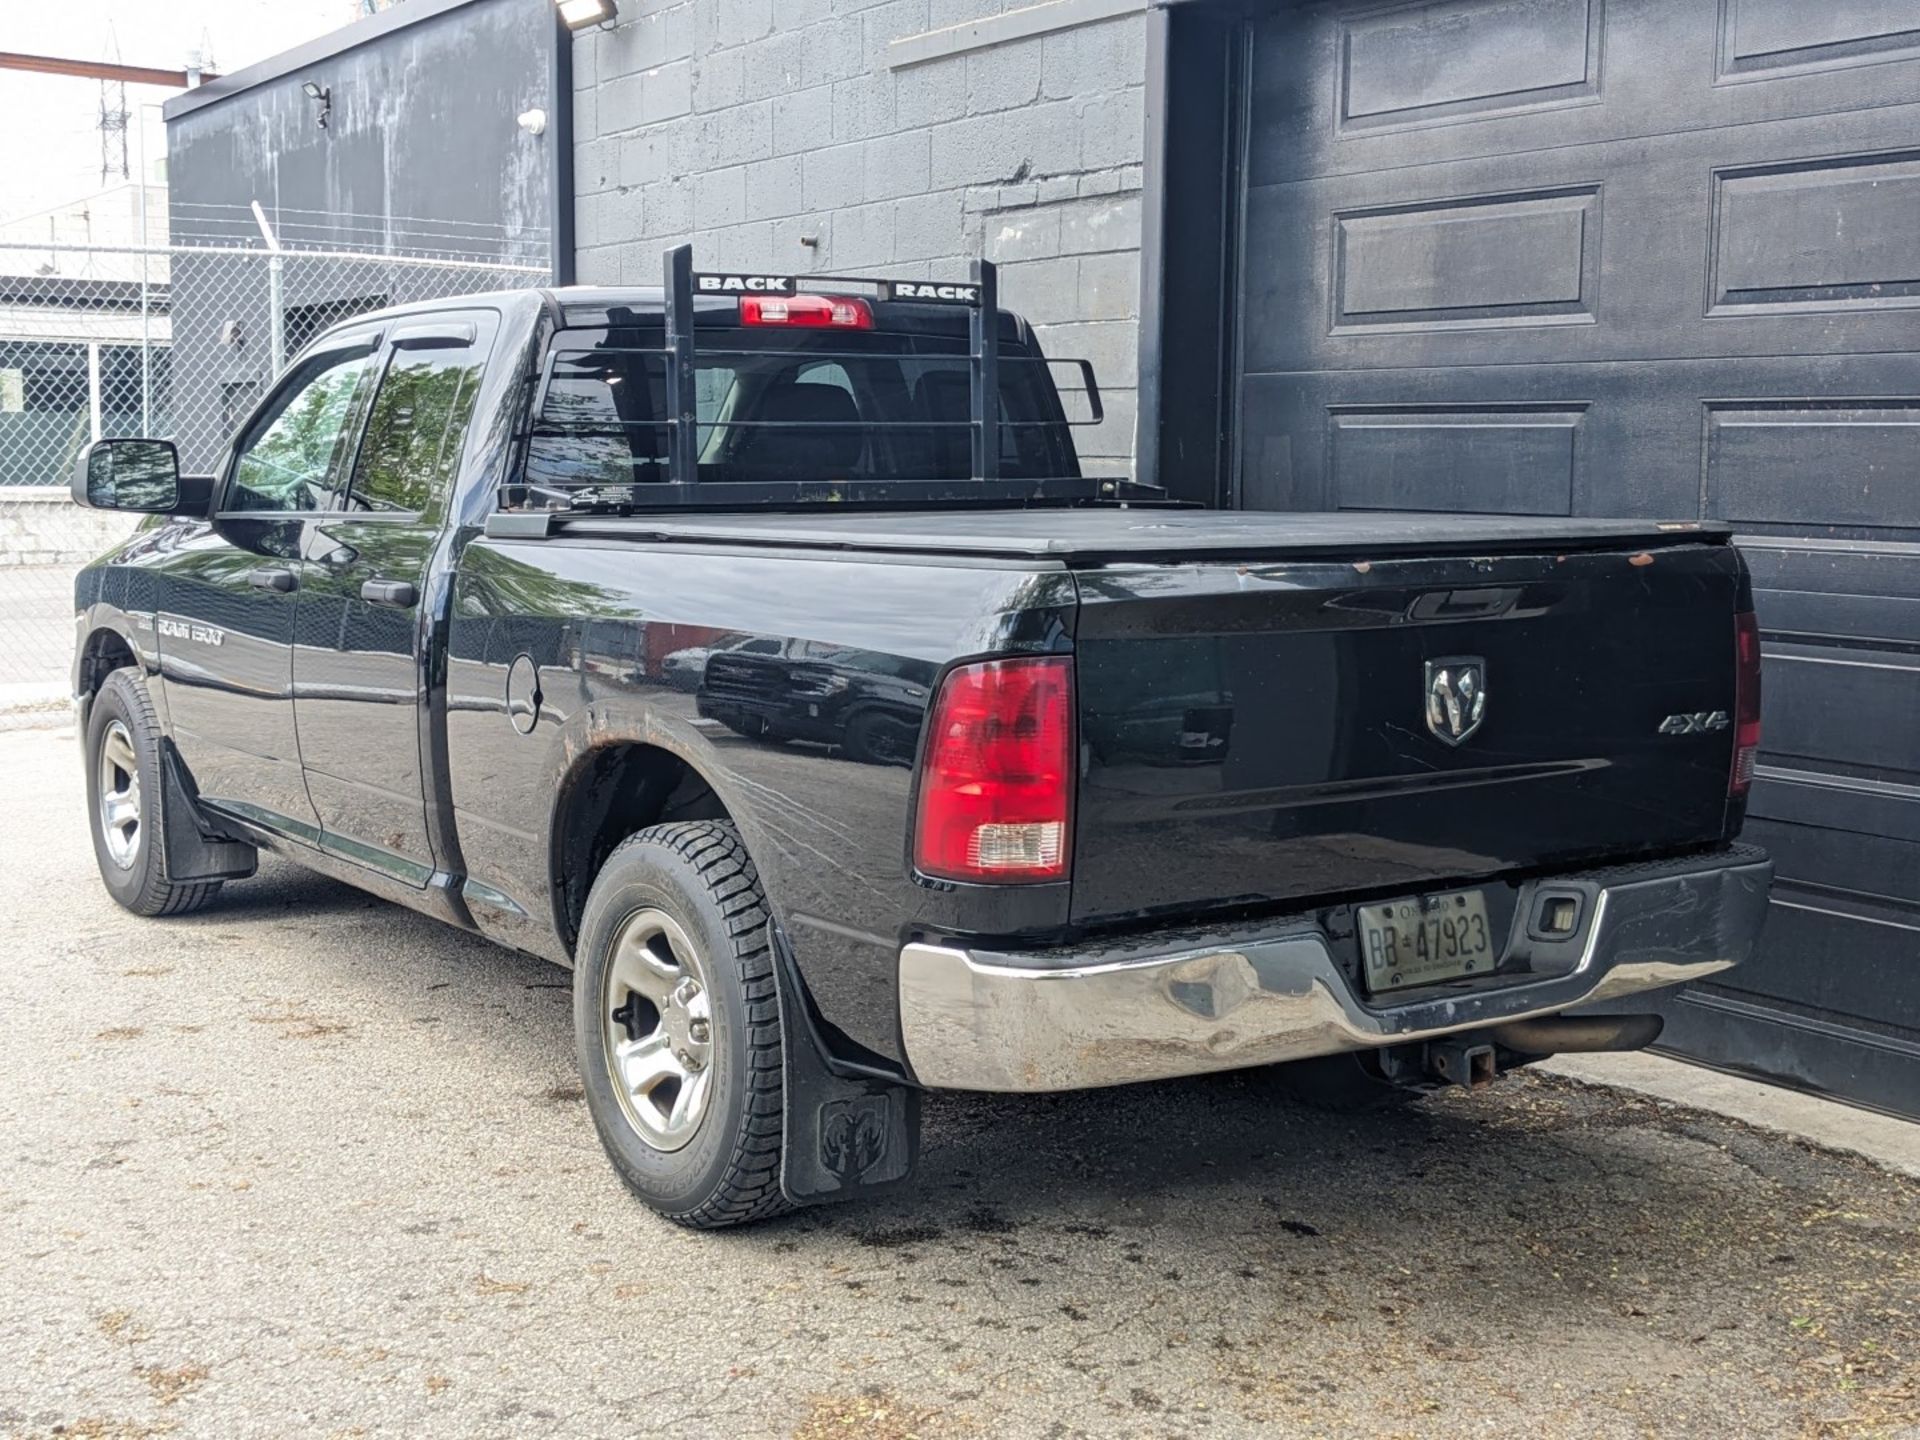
(93, 389)
(276, 318)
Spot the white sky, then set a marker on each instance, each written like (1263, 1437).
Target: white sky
(49, 124)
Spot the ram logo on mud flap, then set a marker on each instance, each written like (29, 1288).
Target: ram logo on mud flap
(853, 1136)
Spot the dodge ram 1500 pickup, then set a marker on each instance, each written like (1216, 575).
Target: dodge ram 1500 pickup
(756, 648)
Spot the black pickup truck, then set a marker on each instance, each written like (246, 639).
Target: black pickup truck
(759, 651)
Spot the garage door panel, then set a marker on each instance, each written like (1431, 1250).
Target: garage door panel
(1766, 39)
(1813, 693)
(1709, 244)
(1821, 962)
(1866, 595)
(1812, 463)
(1346, 90)
(1679, 439)
(1775, 226)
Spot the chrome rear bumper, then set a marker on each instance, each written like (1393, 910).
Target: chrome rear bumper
(1108, 1014)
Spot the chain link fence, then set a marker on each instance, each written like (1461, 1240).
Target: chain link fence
(176, 342)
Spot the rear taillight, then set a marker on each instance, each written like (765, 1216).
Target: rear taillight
(1746, 701)
(807, 312)
(996, 787)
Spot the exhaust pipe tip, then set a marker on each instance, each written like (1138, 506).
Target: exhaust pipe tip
(1585, 1034)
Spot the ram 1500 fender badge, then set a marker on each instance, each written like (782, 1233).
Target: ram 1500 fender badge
(1700, 722)
(744, 284)
(191, 630)
(1456, 696)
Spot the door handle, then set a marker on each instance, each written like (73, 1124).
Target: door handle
(397, 593)
(275, 578)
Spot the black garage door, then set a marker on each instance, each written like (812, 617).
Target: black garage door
(1637, 257)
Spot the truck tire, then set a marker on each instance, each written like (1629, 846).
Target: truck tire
(677, 1025)
(124, 796)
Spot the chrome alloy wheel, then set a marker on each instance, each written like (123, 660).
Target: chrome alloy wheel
(119, 804)
(658, 1021)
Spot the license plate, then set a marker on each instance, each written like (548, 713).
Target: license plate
(1425, 938)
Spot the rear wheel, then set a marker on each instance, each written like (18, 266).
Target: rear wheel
(677, 1026)
(124, 796)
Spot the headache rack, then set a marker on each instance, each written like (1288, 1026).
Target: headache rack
(530, 508)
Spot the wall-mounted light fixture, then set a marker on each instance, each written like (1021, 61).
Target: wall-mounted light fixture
(321, 95)
(579, 14)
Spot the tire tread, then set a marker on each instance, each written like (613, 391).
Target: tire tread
(750, 1187)
(157, 895)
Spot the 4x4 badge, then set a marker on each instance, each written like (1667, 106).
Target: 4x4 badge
(1456, 696)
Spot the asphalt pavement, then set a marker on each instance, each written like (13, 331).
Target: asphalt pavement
(306, 1164)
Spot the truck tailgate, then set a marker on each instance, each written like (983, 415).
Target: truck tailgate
(1257, 733)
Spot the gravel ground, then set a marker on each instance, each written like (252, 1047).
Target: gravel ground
(307, 1164)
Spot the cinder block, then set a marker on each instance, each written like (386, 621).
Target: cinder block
(884, 22)
(835, 176)
(931, 94)
(646, 41)
(1113, 129)
(928, 226)
(1091, 227)
(1034, 140)
(834, 50)
(720, 198)
(898, 164)
(737, 21)
(666, 208)
(596, 166)
(1029, 234)
(1110, 286)
(659, 152)
(1091, 59)
(1111, 345)
(736, 247)
(1042, 290)
(863, 237)
(863, 107)
(771, 68)
(666, 92)
(733, 137)
(1003, 76)
(773, 188)
(719, 80)
(802, 120)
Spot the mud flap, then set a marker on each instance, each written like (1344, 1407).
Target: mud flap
(846, 1135)
(187, 852)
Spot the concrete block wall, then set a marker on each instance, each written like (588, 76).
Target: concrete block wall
(788, 135)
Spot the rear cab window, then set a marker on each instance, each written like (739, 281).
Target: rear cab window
(789, 404)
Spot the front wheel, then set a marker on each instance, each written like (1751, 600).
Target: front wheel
(677, 1026)
(124, 796)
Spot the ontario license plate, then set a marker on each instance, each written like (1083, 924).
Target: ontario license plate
(1425, 938)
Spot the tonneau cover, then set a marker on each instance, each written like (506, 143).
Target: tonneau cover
(1146, 533)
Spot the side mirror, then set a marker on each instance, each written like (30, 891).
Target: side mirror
(138, 475)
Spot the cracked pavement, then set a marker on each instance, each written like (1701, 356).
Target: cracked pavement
(308, 1164)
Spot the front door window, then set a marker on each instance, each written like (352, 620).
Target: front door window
(286, 459)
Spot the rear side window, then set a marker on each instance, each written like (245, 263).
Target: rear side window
(415, 430)
(876, 406)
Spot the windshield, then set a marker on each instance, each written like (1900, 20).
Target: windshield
(790, 406)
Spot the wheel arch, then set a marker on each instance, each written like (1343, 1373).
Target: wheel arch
(620, 774)
(106, 649)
